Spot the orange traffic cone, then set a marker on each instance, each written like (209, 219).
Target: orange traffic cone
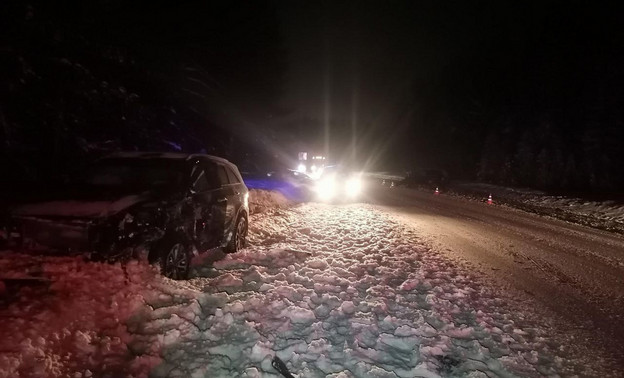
(490, 199)
(436, 191)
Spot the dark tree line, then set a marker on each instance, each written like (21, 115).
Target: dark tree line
(536, 98)
(82, 78)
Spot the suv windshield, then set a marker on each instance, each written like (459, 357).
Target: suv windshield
(135, 174)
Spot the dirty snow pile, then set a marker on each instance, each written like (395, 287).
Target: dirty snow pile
(339, 291)
(261, 200)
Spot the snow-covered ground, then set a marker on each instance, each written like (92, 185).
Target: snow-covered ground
(605, 214)
(332, 290)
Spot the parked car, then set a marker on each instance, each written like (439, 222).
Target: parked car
(163, 206)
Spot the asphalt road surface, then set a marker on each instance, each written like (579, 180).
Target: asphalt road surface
(570, 270)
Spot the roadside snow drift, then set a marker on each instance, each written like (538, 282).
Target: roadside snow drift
(606, 214)
(339, 291)
(261, 200)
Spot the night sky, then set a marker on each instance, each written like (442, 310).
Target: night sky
(429, 79)
(521, 93)
(352, 64)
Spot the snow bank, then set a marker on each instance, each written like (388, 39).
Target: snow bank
(608, 215)
(260, 200)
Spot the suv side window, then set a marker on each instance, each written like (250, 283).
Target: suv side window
(223, 179)
(200, 183)
(232, 176)
(209, 175)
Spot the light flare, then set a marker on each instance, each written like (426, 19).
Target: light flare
(353, 187)
(326, 188)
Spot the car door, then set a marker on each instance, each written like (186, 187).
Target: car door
(237, 190)
(222, 205)
(209, 204)
(231, 199)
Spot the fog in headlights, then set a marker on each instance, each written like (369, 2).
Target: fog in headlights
(353, 187)
(326, 188)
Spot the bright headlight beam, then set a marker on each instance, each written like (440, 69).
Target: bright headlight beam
(353, 186)
(326, 188)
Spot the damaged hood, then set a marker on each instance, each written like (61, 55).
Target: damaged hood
(93, 208)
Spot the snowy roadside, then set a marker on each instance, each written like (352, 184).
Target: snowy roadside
(332, 290)
(261, 200)
(606, 215)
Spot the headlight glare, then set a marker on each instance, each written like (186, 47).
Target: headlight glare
(326, 188)
(353, 186)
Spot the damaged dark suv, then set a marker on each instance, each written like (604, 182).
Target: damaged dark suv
(161, 206)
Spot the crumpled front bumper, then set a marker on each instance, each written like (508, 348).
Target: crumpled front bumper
(101, 239)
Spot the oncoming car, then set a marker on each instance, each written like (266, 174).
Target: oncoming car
(161, 206)
(338, 184)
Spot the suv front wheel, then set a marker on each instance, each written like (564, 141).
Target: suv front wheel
(239, 236)
(175, 259)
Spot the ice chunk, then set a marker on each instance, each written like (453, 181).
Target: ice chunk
(82, 341)
(259, 351)
(404, 344)
(237, 307)
(317, 264)
(322, 311)
(298, 315)
(461, 333)
(229, 280)
(347, 307)
(288, 292)
(405, 330)
(266, 287)
(266, 365)
(410, 284)
(318, 346)
(251, 372)
(232, 351)
(327, 366)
